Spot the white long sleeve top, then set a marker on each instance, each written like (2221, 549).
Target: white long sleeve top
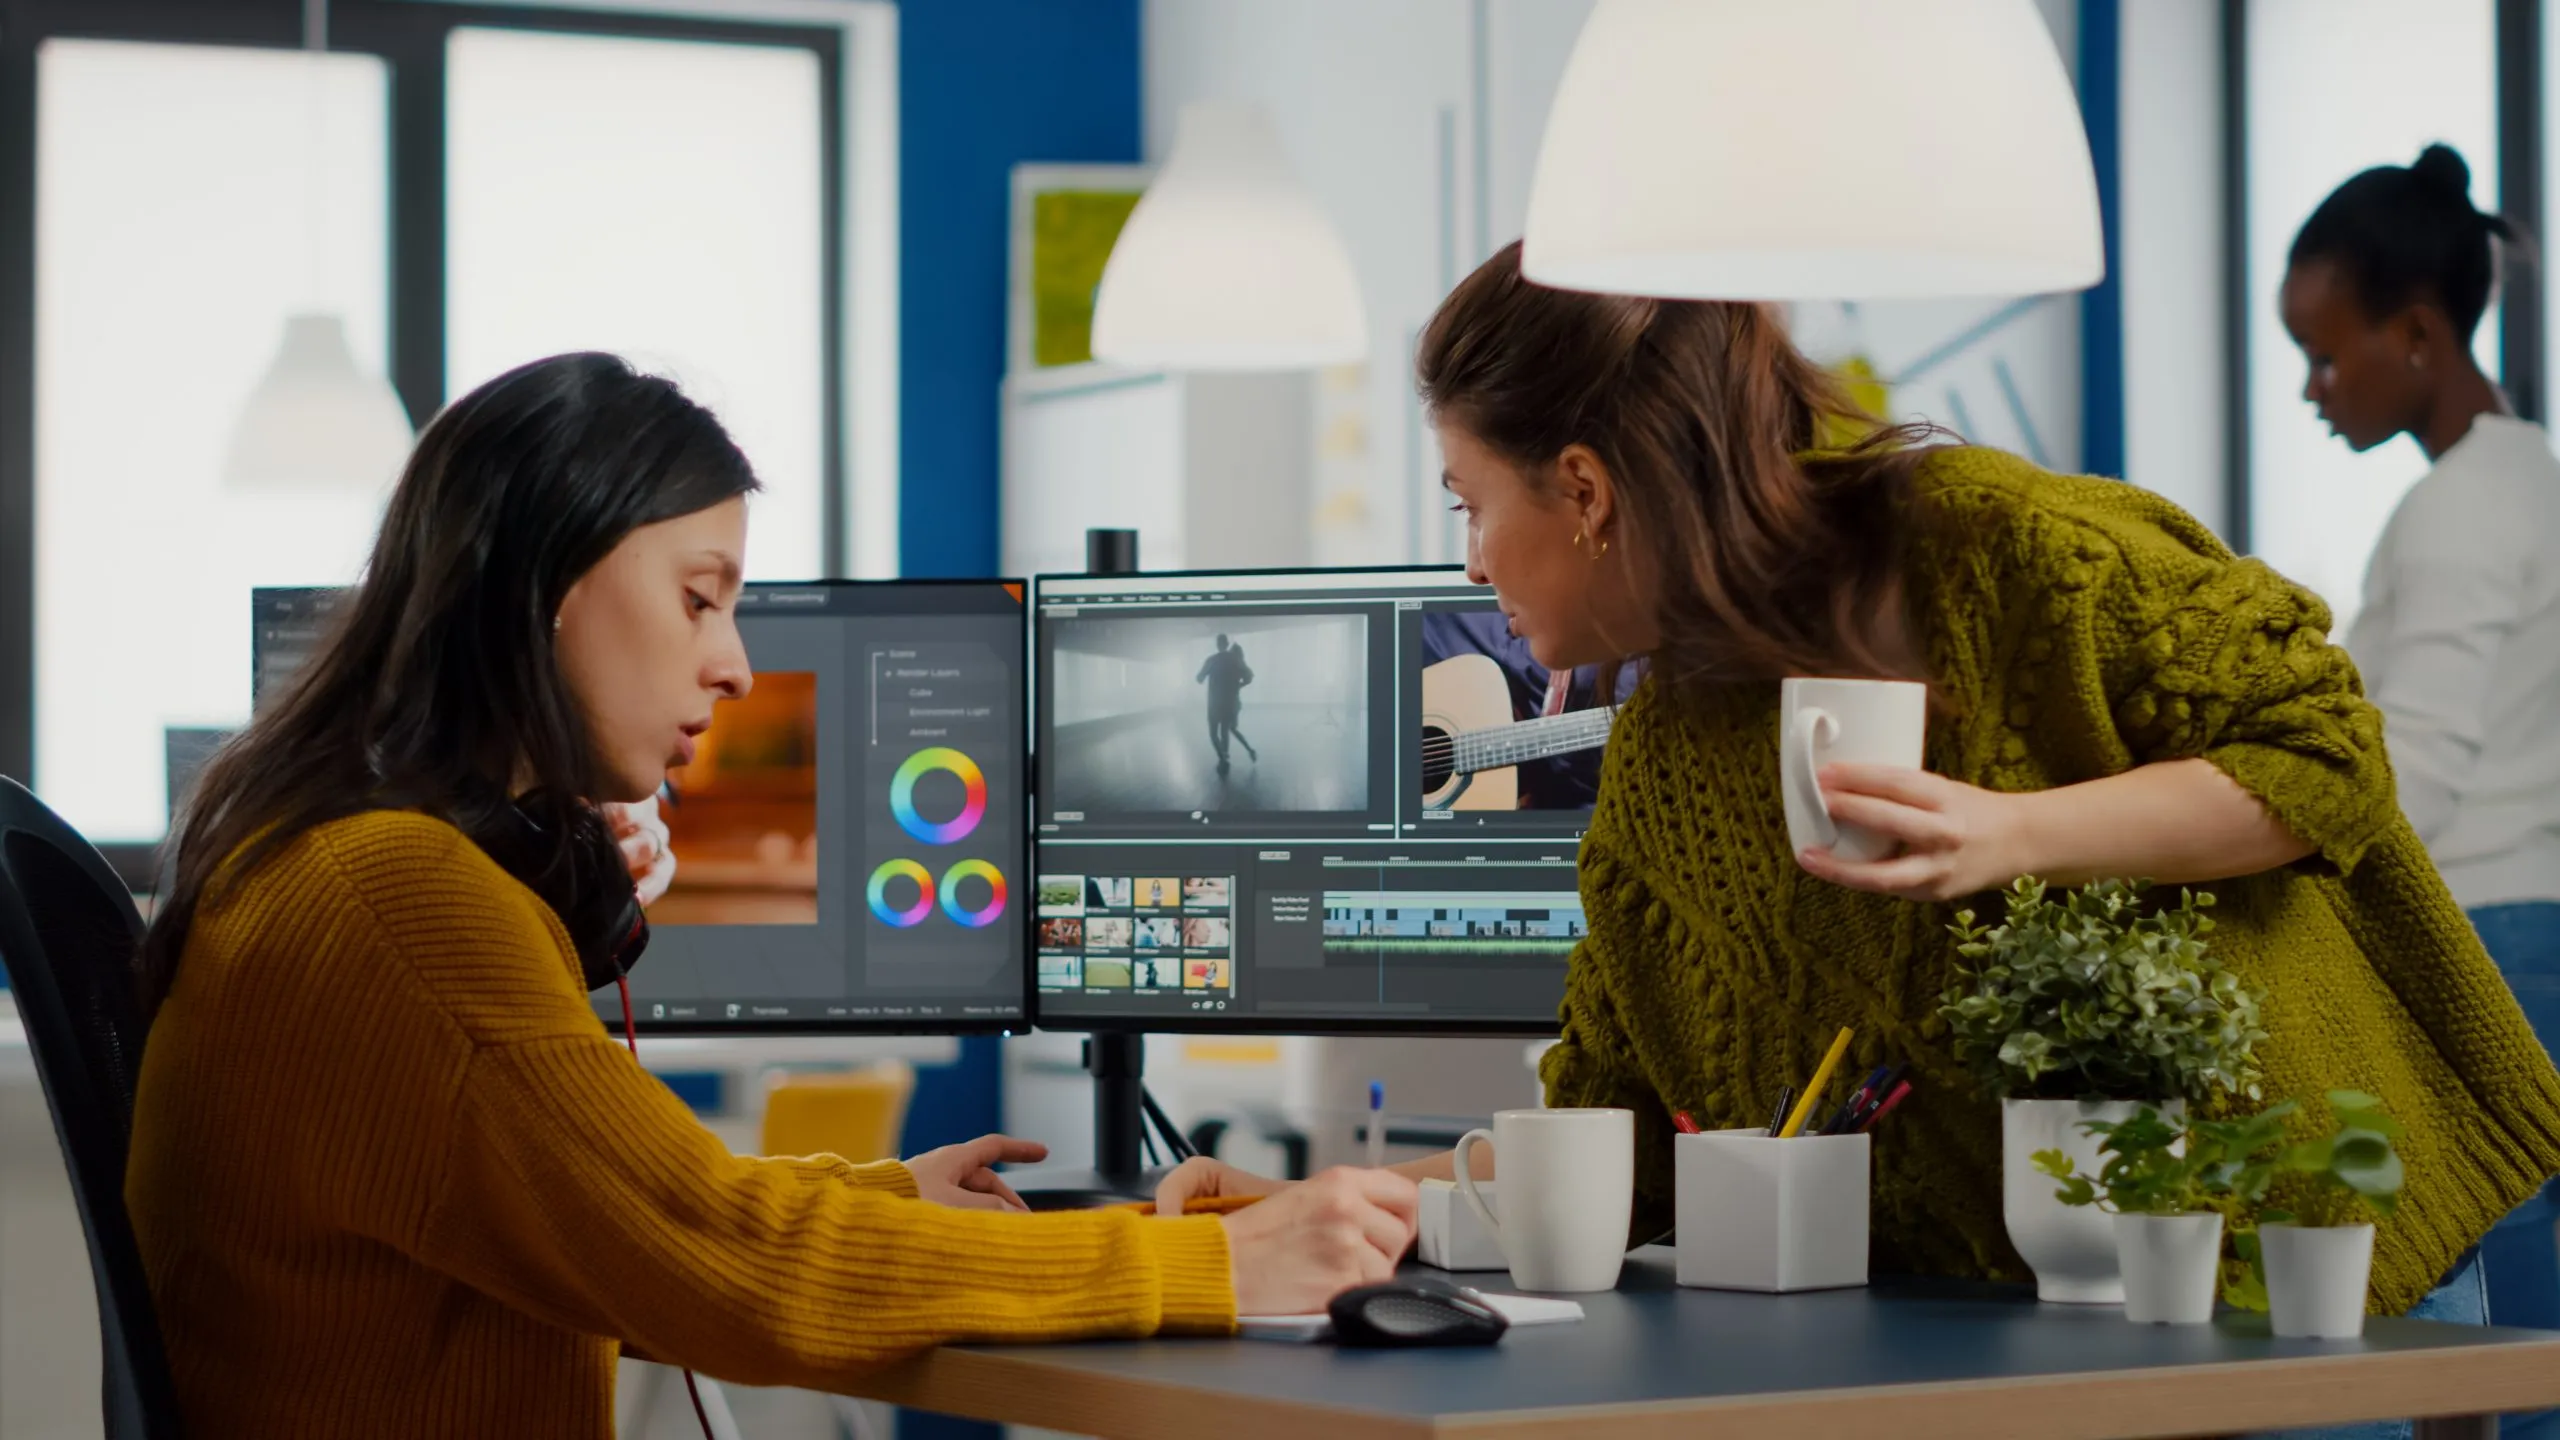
(2459, 643)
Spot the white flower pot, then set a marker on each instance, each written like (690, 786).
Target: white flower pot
(2072, 1249)
(2316, 1278)
(2172, 1266)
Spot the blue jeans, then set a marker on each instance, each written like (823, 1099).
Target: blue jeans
(2521, 1256)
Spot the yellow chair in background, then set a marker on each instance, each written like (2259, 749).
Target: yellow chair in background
(857, 1114)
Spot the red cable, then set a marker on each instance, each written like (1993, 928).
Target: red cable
(631, 1037)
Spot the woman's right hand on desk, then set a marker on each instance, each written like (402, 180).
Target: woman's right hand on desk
(1203, 1178)
(1311, 1241)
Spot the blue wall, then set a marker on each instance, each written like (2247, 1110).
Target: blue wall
(982, 85)
(2102, 308)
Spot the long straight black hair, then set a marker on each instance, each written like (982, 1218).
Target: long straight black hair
(437, 688)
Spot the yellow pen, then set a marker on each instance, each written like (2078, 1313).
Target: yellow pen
(1813, 1092)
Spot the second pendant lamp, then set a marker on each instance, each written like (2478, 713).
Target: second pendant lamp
(1814, 150)
(1228, 263)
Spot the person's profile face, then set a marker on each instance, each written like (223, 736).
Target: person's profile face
(2359, 377)
(648, 642)
(1521, 542)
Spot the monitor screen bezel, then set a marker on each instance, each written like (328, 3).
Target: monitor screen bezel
(1183, 1022)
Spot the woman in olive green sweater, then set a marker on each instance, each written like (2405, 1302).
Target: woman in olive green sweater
(2114, 694)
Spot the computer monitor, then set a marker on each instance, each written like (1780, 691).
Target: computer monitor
(1335, 801)
(849, 837)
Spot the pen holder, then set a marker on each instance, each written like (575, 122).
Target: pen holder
(1757, 1213)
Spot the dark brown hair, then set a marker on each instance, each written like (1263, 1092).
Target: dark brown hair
(1753, 488)
(438, 689)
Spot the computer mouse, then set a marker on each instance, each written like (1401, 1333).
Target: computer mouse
(1415, 1310)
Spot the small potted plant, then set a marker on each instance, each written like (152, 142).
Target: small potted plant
(2086, 1006)
(2313, 1260)
(2164, 1184)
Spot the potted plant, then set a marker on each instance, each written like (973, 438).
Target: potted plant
(2080, 1008)
(2164, 1183)
(2310, 1263)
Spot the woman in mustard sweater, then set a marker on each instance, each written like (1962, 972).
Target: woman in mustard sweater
(389, 1176)
(2115, 694)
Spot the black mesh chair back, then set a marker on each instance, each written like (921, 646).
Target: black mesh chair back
(68, 933)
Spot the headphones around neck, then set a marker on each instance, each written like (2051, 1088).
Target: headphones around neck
(588, 886)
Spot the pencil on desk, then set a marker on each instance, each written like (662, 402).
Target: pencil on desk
(1813, 1090)
(1199, 1204)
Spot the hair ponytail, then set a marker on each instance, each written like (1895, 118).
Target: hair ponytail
(2405, 234)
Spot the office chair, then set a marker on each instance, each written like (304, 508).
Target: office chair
(68, 932)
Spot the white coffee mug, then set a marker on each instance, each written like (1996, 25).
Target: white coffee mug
(1568, 1194)
(1862, 722)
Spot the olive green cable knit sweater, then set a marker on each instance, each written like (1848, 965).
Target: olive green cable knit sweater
(2074, 628)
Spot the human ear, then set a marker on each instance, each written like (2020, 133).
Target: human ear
(1584, 482)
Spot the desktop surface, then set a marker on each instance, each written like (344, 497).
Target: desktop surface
(849, 836)
(1303, 801)
(1908, 1358)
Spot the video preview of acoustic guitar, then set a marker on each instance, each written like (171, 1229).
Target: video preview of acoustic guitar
(1501, 731)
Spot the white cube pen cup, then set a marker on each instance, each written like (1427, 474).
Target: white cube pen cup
(1757, 1213)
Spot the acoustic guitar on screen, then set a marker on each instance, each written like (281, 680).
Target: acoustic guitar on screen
(1471, 745)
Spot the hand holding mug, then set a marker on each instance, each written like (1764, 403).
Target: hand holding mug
(1948, 839)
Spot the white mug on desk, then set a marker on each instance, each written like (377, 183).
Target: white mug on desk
(1568, 1194)
(1861, 722)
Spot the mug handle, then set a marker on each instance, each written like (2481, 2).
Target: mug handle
(1810, 726)
(1465, 1174)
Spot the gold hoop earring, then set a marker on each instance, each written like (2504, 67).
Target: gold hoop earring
(1582, 539)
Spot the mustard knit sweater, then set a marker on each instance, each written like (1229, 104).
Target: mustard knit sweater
(2074, 628)
(391, 1178)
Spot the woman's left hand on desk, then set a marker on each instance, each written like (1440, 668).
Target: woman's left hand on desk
(963, 1176)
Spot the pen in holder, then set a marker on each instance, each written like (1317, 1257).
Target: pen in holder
(1758, 1213)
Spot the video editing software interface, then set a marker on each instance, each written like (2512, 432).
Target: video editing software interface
(1301, 801)
(848, 836)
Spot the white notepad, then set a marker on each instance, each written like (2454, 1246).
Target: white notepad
(1518, 1309)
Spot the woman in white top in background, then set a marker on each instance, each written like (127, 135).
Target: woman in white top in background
(2459, 637)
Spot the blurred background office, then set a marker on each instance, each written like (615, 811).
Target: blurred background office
(867, 234)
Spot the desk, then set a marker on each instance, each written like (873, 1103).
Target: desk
(1906, 1361)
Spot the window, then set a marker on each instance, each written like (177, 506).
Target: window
(198, 179)
(186, 202)
(634, 227)
(2335, 86)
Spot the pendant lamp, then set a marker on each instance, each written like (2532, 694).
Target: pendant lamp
(1814, 150)
(1227, 263)
(316, 419)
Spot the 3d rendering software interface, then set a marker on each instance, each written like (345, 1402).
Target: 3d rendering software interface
(1304, 799)
(848, 835)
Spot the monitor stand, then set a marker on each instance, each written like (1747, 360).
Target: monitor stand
(1117, 1061)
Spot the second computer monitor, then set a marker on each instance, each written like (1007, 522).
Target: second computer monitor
(848, 835)
(1307, 801)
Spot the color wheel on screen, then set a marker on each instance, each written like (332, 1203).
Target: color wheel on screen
(945, 760)
(985, 915)
(878, 893)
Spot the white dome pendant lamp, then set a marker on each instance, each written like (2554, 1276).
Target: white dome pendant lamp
(1228, 263)
(1814, 150)
(316, 420)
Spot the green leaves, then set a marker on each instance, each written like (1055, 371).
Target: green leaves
(2091, 994)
